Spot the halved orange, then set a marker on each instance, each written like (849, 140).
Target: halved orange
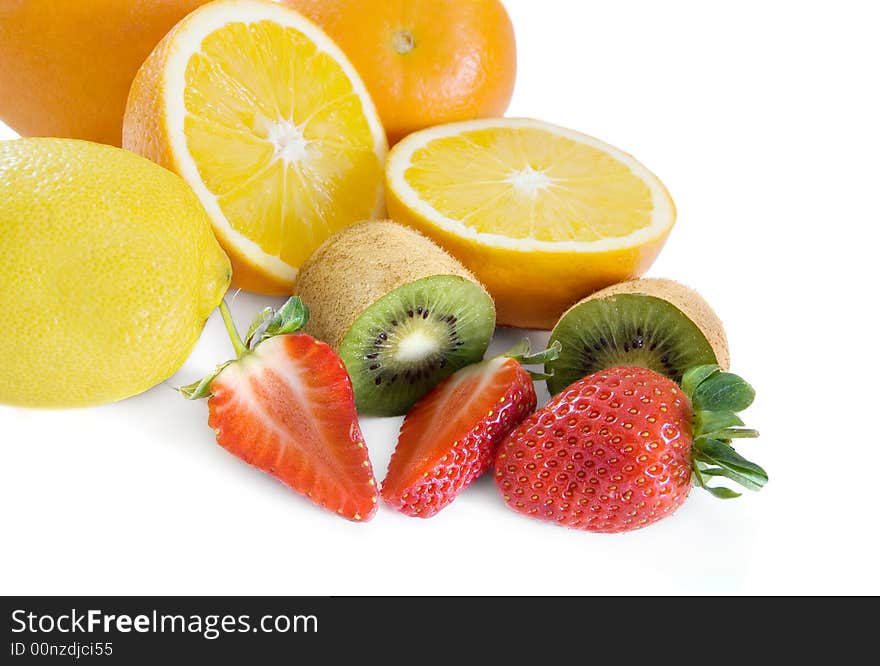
(543, 215)
(270, 124)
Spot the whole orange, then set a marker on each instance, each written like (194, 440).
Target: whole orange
(425, 62)
(66, 65)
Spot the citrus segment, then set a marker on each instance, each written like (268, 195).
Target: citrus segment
(541, 214)
(268, 121)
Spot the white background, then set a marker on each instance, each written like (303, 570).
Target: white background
(762, 120)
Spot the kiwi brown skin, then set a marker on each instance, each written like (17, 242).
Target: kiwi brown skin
(357, 266)
(682, 297)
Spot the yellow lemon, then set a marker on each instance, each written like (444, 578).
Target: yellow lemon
(542, 215)
(268, 121)
(108, 271)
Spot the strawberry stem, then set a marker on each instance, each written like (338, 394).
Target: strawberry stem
(234, 337)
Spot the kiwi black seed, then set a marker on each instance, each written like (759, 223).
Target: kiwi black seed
(653, 323)
(402, 313)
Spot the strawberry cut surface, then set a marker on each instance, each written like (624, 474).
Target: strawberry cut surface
(287, 408)
(450, 437)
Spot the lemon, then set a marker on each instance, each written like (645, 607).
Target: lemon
(263, 115)
(542, 215)
(108, 270)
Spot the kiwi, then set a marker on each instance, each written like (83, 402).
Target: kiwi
(401, 312)
(653, 323)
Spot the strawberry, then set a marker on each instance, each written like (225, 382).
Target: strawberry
(619, 449)
(286, 406)
(450, 436)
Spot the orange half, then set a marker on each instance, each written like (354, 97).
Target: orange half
(270, 124)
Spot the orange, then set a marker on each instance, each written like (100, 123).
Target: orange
(66, 65)
(541, 214)
(266, 119)
(425, 62)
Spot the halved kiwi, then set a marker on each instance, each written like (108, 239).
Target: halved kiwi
(652, 323)
(402, 313)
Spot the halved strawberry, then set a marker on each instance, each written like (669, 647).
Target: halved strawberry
(286, 406)
(450, 436)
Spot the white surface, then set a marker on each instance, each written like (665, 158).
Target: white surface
(761, 119)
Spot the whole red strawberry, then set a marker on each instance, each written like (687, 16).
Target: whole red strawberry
(620, 449)
(450, 437)
(286, 406)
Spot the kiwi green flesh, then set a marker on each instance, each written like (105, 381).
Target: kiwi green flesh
(412, 338)
(626, 330)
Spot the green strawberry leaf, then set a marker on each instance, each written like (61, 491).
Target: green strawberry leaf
(733, 433)
(202, 388)
(699, 470)
(696, 376)
(744, 481)
(723, 392)
(291, 317)
(521, 354)
(716, 397)
(731, 464)
(519, 350)
(722, 493)
(542, 357)
(259, 326)
(711, 422)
